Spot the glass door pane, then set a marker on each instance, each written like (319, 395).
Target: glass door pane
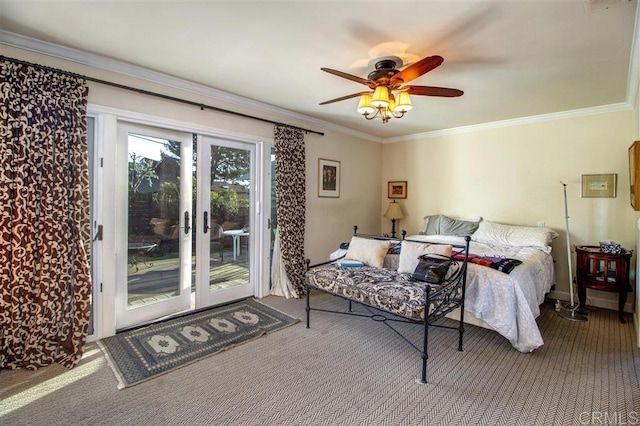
(158, 226)
(225, 190)
(153, 247)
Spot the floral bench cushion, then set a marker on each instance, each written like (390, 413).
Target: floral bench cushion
(381, 288)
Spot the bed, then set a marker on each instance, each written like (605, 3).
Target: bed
(508, 303)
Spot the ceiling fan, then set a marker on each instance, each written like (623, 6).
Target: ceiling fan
(389, 96)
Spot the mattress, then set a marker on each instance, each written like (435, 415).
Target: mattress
(506, 303)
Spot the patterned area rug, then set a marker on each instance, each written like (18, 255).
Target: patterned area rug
(142, 354)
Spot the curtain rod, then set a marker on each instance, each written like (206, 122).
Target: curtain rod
(157, 95)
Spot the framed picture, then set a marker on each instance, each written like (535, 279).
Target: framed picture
(328, 178)
(599, 186)
(397, 189)
(634, 174)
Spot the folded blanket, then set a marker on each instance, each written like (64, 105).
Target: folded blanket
(394, 248)
(501, 264)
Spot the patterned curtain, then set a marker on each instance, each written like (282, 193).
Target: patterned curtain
(45, 283)
(290, 204)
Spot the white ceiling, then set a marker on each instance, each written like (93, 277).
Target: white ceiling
(512, 59)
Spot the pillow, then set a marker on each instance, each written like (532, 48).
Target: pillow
(502, 235)
(368, 251)
(426, 223)
(410, 252)
(443, 225)
(437, 239)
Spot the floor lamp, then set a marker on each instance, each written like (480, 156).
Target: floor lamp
(571, 314)
(394, 212)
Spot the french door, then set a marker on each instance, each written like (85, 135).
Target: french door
(154, 250)
(225, 212)
(183, 244)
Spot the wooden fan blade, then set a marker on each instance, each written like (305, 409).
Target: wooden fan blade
(414, 71)
(434, 91)
(353, 95)
(350, 77)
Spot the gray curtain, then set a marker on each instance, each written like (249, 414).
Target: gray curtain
(290, 204)
(45, 283)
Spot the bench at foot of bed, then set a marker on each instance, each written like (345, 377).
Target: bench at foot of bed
(390, 297)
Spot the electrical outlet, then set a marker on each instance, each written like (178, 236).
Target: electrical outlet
(541, 224)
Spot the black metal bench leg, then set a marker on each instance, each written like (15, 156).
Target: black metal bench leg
(461, 328)
(425, 354)
(308, 308)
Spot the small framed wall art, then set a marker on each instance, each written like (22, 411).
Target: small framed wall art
(397, 189)
(328, 178)
(599, 186)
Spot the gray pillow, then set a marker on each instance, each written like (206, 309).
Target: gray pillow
(433, 225)
(444, 225)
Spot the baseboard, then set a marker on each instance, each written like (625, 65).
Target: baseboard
(595, 301)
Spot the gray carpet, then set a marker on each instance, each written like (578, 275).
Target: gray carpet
(353, 371)
(148, 352)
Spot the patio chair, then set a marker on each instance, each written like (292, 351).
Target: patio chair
(217, 239)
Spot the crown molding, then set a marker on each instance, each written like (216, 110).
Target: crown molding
(513, 122)
(120, 67)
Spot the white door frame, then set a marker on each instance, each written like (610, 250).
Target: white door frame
(108, 121)
(96, 207)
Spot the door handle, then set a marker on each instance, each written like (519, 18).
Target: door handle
(205, 224)
(98, 236)
(187, 228)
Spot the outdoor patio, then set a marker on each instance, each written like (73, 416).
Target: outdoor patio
(153, 279)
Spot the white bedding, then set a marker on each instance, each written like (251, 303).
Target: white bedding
(508, 303)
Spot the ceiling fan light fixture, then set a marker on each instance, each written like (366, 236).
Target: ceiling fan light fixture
(404, 102)
(380, 97)
(364, 106)
(390, 97)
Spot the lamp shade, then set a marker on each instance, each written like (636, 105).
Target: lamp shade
(403, 102)
(364, 106)
(380, 97)
(394, 211)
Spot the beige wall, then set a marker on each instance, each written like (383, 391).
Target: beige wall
(509, 174)
(329, 220)
(512, 175)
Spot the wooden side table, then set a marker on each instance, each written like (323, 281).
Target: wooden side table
(603, 271)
